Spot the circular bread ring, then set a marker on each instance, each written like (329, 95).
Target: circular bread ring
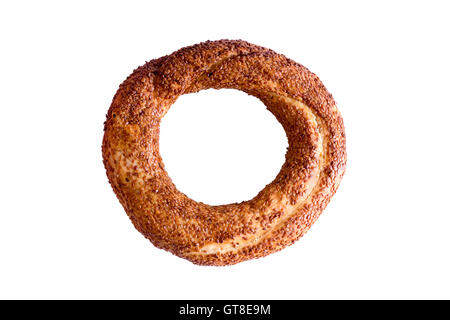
(226, 234)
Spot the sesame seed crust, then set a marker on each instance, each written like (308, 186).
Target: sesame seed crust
(226, 234)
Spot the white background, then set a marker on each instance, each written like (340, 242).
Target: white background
(385, 234)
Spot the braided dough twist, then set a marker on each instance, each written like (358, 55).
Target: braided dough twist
(225, 234)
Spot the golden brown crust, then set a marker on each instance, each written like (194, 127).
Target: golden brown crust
(227, 234)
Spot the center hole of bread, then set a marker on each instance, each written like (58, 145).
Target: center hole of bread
(221, 146)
